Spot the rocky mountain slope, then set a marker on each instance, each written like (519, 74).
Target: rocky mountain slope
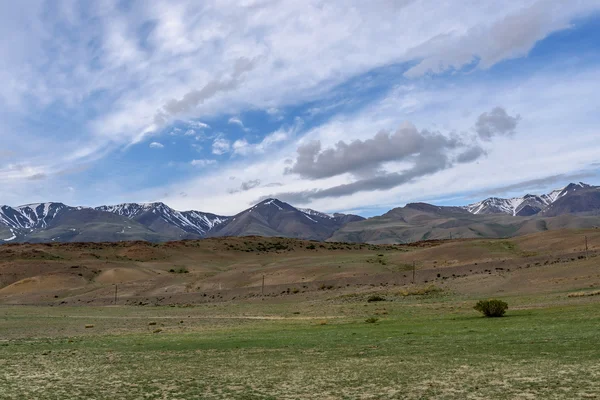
(420, 221)
(57, 222)
(575, 199)
(157, 222)
(272, 217)
(575, 206)
(161, 218)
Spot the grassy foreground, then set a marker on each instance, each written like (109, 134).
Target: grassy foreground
(421, 347)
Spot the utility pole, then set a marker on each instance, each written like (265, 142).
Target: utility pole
(262, 290)
(116, 288)
(413, 280)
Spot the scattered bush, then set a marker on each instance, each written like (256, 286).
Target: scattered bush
(420, 290)
(325, 287)
(585, 294)
(371, 320)
(375, 297)
(492, 307)
(181, 270)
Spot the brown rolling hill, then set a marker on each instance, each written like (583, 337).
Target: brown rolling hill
(232, 268)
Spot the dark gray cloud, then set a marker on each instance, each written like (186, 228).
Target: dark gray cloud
(247, 185)
(37, 177)
(534, 184)
(273, 184)
(496, 123)
(250, 184)
(366, 157)
(380, 182)
(428, 162)
(471, 154)
(427, 152)
(194, 98)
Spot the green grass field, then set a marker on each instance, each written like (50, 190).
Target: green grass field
(421, 347)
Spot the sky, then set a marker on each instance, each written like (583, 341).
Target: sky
(339, 106)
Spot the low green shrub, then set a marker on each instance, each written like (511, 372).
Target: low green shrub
(371, 320)
(491, 308)
(375, 297)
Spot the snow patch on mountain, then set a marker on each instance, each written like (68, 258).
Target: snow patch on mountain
(314, 213)
(30, 216)
(13, 237)
(513, 206)
(189, 221)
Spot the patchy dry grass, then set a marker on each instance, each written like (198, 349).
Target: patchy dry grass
(436, 349)
(420, 290)
(585, 294)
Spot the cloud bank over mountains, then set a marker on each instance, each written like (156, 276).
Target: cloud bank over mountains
(421, 153)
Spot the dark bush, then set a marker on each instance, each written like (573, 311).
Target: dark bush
(492, 307)
(181, 270)
(375, 297)
(371, 320)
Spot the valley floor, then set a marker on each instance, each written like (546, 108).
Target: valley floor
(192, 320)
(422, 346)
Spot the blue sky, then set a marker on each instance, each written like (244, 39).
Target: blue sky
(337, 106)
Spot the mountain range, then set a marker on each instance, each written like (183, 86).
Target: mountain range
(550, 204)
(157, 222)
(574, 206)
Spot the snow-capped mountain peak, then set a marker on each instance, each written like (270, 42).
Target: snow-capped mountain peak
(30, 216)
(530, 204)
(194, 222)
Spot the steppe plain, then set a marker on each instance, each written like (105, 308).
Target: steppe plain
(192, 319)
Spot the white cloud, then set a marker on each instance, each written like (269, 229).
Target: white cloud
(198, 125)
(156, 145)
(236, 121)
(221, 146)
(486, 44)
(242, 147)
(190, 132)
(304, 49)
(203, 162)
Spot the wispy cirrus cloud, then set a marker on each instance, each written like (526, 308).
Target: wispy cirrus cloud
(136, 70)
